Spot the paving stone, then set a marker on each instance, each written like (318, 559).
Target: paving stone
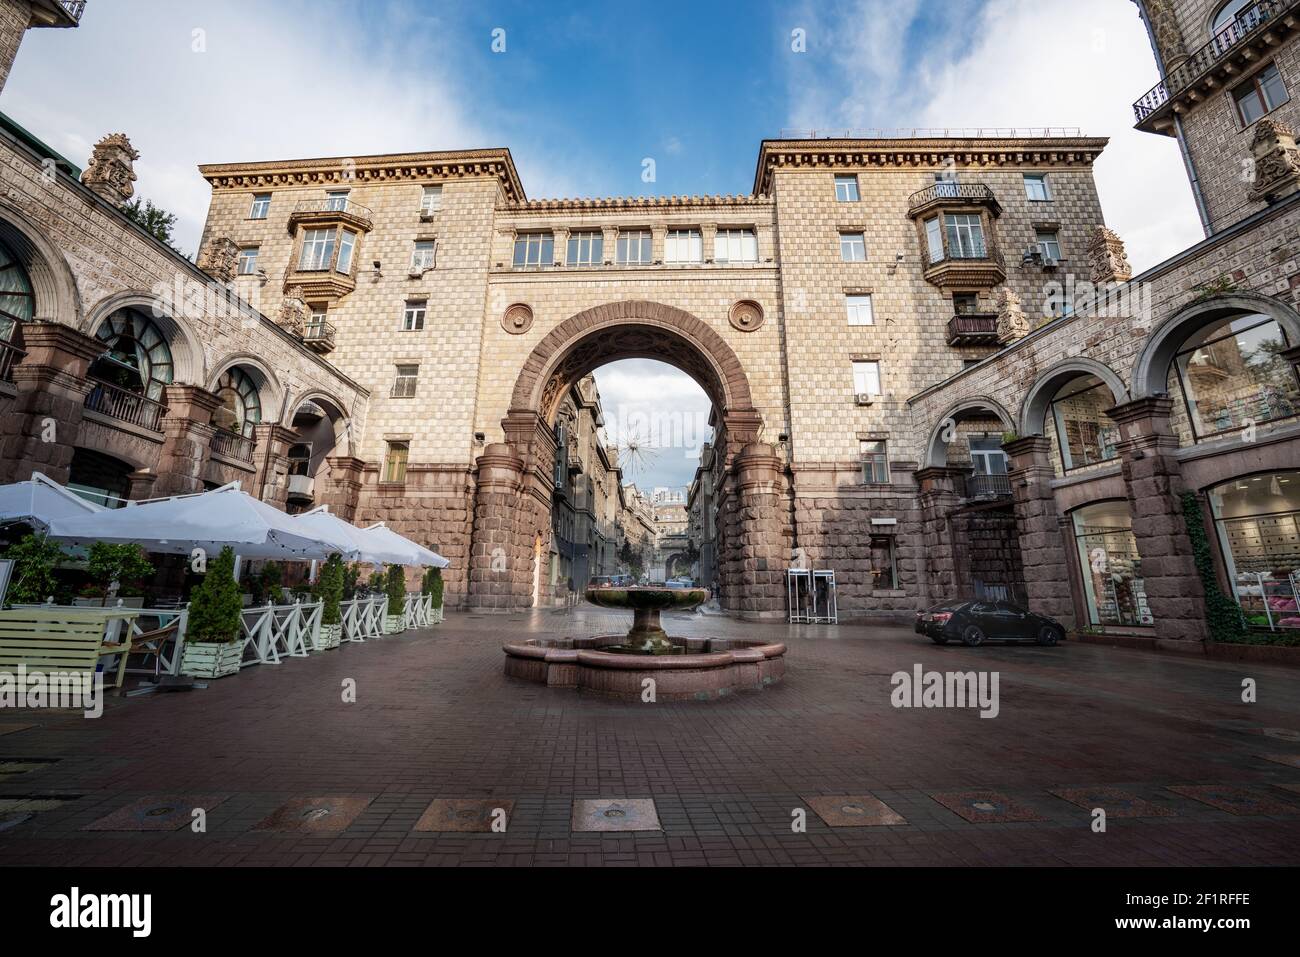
(1113, 801)
(854, 810)
(315, 814)
(985, 807)
(167, 812)
(1235, 800)
(460, 814)
(610, 814)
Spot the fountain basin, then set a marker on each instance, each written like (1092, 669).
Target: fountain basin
(702, 669)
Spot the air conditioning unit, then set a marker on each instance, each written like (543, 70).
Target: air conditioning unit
(1033, 257)
(1050, 265)
(864, 398)
(428, 217)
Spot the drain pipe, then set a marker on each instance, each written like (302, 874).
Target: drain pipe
(1197, 195)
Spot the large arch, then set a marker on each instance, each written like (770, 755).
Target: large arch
(189, 359)
(270, 391)
(53, 285)
(1151, 369)
(936, 452)
(1033, 411)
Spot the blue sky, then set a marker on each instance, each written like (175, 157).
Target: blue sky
(585, 92)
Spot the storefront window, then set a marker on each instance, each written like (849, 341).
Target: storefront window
(1084, 433)
(1258, 520)
(1233, 375)
(884, 569)
(1112, 568)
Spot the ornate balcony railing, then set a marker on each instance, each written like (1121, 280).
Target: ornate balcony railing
(10, 355)
(313, 211)
(232, 445)
(125, 405)
(73, 8)
(1250, 20)
(318, 335)
(972, 328)
(976, 193)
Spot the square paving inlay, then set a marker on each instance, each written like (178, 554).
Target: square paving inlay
(464, 814)
(321, 814)
(983, 807)
(854, 810)
(608, 814)
(1234, 800)
(1113, 801)
(159, 812)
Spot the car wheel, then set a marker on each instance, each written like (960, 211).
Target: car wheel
(939, 639)
(1047, 635)
(972, 636)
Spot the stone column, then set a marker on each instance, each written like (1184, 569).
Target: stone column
(143, 485)
(758, 539)
(1154, 480)
(500, 565)
(187, 442)
(938, 498)
(40, 431)
(271, 461)
(1047, 573)
(340, 488)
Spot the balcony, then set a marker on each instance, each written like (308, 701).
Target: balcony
(945, 195)
(973, 329)
(1259, 27)
(73, 8)
(232, 445)
(10, 355)
(979, 268)
(984, 487)
(301, 487)
(125, 406)
(318, 336)
(330, 212)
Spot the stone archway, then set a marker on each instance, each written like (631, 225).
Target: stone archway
(513, 496)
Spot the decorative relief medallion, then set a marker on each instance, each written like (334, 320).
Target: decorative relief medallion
(518, 319)
(746, 315)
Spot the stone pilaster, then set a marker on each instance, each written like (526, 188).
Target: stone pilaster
(757, 540)
(938, 498)
(271, 460)
(500, 562)
(40, 430)
(1154, 481)
(340, 488)
(187, 442)
(1047, 573)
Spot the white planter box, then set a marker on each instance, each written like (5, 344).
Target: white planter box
(436, 618)
(392, 624)
(208, 659)
(331, 635)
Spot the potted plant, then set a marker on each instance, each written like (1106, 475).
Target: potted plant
(34, 558)
(395, 587)
(433, 587)
(115, 568)
(331, 591)
(212, 645)
(271, 578)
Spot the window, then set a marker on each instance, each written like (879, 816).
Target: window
(846, 189)
(965, 236)
(1233, 374)
(965, 303)
(987, 455)
(248, 261)
(404, 384)
(884, 569)
(347, 242)
(241, 408)
(431, 200)
(866, 377)
(859, 309)
(875, 462)
(586, 248)
(1049, 244)
(1262, 93)
(422, 255)
(336, 200)
(1036, 187)
(1258, 520)
(261, 206)
(1229, 12)
(316, 325)
(534, 250)
(633, 247)
(1084, 433)
(735, 246)
(853, 247)
(683, 246)
(317, 250)
(395, 461)
(945, 183)
(413, 315)
(934, 240)
(1112, 569)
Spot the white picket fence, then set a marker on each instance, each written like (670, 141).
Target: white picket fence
(363, 618)
(420, 612)
(275, 631)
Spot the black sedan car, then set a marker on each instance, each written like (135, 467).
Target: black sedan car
(974, 622)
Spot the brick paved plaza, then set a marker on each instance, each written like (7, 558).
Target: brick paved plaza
(1163, 738)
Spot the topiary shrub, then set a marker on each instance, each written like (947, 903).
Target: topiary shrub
(331, 589)
(395, 586)
(1223, 615)
(271, 578)
(34, 557)
(215, 604)
(435, 586)
(351, 580)
(124, 564)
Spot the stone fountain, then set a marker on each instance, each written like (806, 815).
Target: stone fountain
(647, 636)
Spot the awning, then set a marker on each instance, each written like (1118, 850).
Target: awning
(416, 554)
(40, 501)
(363, 546)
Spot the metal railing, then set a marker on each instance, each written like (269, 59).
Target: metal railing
(974, 192)
(125, 405)
(10, 355)
(73, 8)
(1180, 77)
(922, 133)
(327, 205)
(318, 331)
(232, 445)
(972, 325)
(988, 486)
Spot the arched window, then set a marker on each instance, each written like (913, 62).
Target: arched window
(16, 299)
(1084, 434)
(240, 408)
(1233, 374)
(138, 357)
(1227, 13)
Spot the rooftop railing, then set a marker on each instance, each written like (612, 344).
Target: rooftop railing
(232, 445)
(125, 405)
(73, 8)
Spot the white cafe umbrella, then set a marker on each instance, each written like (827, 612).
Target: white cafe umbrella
(415, 554)
(40, 501)
(207, 520)
(364, 547)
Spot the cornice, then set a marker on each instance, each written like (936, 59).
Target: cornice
(928, 153)
(393, 167)
(578, 204)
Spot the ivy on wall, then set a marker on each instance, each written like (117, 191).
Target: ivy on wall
(1223, 615)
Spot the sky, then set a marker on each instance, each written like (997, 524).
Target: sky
(584, 93)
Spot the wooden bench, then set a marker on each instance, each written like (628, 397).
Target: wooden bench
(52, 639)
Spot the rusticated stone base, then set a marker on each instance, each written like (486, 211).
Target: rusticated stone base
(712, 668)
